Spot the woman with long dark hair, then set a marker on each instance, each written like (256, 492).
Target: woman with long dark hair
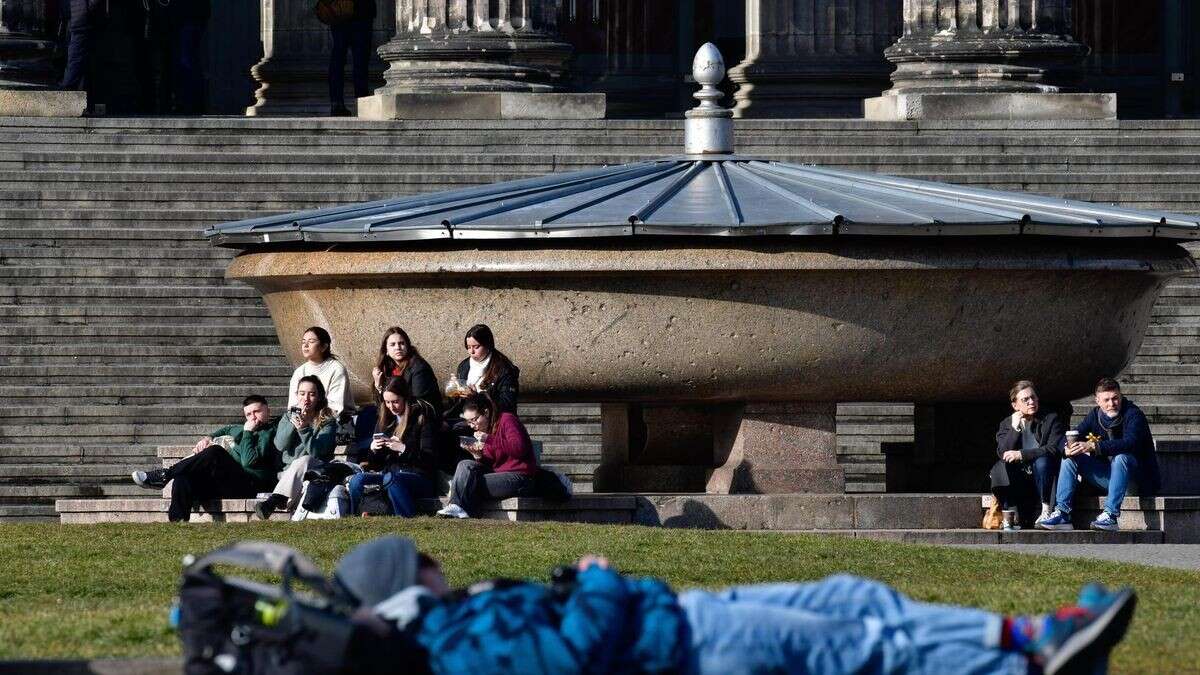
(402, 455)
(399, 357)
(320, 361)
(503, 462)
(305, 438)
(486, 369)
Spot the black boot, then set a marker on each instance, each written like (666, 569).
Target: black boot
(266, 507)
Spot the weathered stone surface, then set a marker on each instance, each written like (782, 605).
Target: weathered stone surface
(789, 447)
(991, 106)
(709, 512)
(481, 106)
(42, 103)
(887, 319)
(810, 512)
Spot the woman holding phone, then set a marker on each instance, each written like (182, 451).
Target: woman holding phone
(401, 455)
(305, 438)
(503, 463)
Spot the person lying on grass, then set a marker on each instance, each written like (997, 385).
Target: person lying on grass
(592, 619)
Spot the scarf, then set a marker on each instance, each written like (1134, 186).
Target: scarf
(1111, 425)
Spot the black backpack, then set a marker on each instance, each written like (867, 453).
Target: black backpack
(230, 625)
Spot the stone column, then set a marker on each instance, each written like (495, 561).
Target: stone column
(293, 73)
(813, 58)
(768, 448)
(987, 59)
(26, 72)
(466, 59)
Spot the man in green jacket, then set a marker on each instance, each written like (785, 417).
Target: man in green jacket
(235, 462)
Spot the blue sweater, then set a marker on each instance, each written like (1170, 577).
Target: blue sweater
(609, 624)
(1131, 436)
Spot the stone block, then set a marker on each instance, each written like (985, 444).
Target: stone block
(809, 512)
(916, 511)
(707, 512)
(782, 448)
(38, 103)
(994, 106)
(481, 106)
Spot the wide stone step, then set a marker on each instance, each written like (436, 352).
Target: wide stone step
(142, 455)
(46, 494)
(89, 313)
(269, 355)
(33, 401)
(28, 513)
(66, 474)
(224, 294)
(978, 536)
(45, 255)
(151, 377)
(180, 333)
(609, 509)
(149, 274)
(102, 432)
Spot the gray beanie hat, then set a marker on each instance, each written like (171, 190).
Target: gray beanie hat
(378, 569)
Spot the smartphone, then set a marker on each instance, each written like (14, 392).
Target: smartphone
(379, 437)
(294, 410)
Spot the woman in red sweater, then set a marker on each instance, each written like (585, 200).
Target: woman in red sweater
(503, 466)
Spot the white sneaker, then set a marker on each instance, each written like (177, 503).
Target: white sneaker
(453, 511)
(1047, 511)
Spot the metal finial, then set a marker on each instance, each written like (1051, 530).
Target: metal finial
(708, 128)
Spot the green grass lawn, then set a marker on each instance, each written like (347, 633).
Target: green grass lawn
(104, 590)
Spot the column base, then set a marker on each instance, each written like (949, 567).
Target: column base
(778, 448)
(997, 106)
(502, 105)
(35, 103)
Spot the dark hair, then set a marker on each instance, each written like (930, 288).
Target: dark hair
(424, 561)
(482, 404)
(1021, 384)
(386, 363)
(399, 387)
(323, 411)
(1108, 384)
(252, 399)
(499, 364)
(323, 338)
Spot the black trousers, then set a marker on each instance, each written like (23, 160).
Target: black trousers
(353, 36)
(1016, 484)
(473, 482)
(210, 474)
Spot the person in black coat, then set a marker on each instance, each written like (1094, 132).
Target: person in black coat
(399, 357)
(1029, 444)
(403, 454)
(486, 370)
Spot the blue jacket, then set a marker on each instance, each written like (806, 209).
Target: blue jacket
(609, 624)
(1131, 436)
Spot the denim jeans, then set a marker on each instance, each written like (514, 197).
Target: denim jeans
(403, 488)
(1021, 484)
(1111, 475)
(842, 624)
(473, 483)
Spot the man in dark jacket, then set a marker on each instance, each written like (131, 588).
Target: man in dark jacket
(1028, 443)
(593, 620)
(1114, 447)
(236, 462)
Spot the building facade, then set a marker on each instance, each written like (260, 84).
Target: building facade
(789, 58)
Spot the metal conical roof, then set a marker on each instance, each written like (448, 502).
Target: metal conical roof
(715, 196)
(708, 192)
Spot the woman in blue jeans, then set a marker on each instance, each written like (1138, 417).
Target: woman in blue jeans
(593, 620)
(402, 455)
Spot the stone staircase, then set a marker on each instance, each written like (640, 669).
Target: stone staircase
(122, 335)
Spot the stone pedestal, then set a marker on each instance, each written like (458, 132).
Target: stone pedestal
(293, 73)
(481, 105)
(813, 58)
(26, 71)
(989, 59)
(778, 447)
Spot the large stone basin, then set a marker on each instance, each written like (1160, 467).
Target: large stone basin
(870, 319)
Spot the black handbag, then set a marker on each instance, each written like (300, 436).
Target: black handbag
(375, 500)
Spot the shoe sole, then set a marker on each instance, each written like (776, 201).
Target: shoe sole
(1078, 655)
(1065, 527)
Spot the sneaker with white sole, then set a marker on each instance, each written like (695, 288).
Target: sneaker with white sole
(1047, 511)
(154, 479)
(453, 511)
(1106, 522)
(1057, 521)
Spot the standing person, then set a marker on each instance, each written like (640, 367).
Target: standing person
(353, 34)
(1117, 448)
(1028, 443)
(503, 464)
(305, 439)
(212, 472)
(593, 620)
(82, 17)
(319, 360)
(403, 453)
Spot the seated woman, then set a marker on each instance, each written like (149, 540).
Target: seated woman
(398, 357)
(321, 362)
(305, 438)
(486, 369)
(1029, 444)
(504, 464)
(403, 453)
